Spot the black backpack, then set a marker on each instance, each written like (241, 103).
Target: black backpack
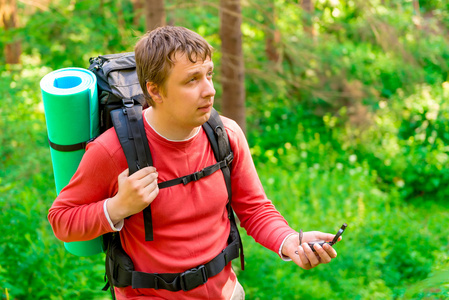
(121, 101)
(116, 82)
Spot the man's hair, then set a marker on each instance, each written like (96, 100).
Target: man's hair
(156, 50)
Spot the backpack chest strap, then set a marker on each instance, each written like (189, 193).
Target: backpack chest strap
(200, 174)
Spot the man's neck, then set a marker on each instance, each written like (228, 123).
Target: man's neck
(162, 125)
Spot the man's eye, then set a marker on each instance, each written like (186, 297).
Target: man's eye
(210, 74)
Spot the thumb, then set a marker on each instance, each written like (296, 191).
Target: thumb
(324, 236)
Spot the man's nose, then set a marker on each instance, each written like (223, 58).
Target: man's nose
(208, 88)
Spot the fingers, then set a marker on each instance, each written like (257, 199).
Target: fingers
(311, 256)
(142, 173)
(330, 251)
(151, 189)
(144, 182)
(147, 178)
(137, 191)
(325, 253)
(154, 192)
(141, 179)
(309, 259)
(324, 236)
(303, 261)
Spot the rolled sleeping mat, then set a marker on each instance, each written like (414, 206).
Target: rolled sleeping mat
(71, 112)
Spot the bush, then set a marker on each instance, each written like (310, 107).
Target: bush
(408, 143)
(33, 263)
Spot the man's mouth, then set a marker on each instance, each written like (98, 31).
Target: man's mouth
(206, 107)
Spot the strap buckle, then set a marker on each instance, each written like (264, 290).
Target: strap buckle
(229, 158)
(193, 278)
(128, 102)
(198, 175)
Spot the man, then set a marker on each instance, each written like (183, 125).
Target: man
(190, 222)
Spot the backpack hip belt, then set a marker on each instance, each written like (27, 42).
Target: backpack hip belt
(184, 281)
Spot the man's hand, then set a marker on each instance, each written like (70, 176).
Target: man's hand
(134, 194)
(303, 255)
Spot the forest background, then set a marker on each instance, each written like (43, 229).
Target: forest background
(347, 117)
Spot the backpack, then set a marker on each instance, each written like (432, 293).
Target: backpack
(121, 101)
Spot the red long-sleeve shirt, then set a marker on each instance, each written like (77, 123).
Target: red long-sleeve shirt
(189, 221)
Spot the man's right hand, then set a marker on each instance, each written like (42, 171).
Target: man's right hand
(134, 194)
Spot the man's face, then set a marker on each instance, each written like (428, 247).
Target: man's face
(188, 93)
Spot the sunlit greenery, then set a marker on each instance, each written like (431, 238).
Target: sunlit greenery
(350, 124)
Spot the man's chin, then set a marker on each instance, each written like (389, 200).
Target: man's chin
(205, 118)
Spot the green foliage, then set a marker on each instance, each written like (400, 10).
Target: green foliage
(362, 52)
(33, 264)
(407, 144)
(389, 244)
(63, 29)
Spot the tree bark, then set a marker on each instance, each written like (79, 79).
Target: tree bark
(154, 14)
(138, 8)
(9, 20)
(272, 35)
(232, 66)
(120, 18)
(416, 8)
(308, 8)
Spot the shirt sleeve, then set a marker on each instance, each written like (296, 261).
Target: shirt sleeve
(116, 227)
(255, 211)
(78, 214)
(284, 258)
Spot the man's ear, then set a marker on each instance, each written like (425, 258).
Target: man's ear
(154, 91)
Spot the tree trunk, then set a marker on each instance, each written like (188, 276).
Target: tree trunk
(120, 18)
(308, 9)
(232, 67)
(272, 35)
(138, 8)
(154, 14)
(9, 20)
(416, 8)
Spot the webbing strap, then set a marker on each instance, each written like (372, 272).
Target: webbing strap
(198, 175)
(189, 279)
(135, 118)
(220, 144)
(68, 148)
(128, 124)
(134, 127)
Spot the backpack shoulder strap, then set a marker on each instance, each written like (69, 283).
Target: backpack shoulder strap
(219, 140)
(128, 125)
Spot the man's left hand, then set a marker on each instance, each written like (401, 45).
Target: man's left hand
(303, 255)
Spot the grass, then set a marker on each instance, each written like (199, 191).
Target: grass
(388, 250)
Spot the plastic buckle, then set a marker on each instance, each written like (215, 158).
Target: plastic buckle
(128, 102)
(229, 158)
(198, 175)
(193, 278)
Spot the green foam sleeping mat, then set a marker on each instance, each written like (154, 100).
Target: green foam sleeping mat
(72, 117)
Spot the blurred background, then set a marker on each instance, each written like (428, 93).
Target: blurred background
(345, 105)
